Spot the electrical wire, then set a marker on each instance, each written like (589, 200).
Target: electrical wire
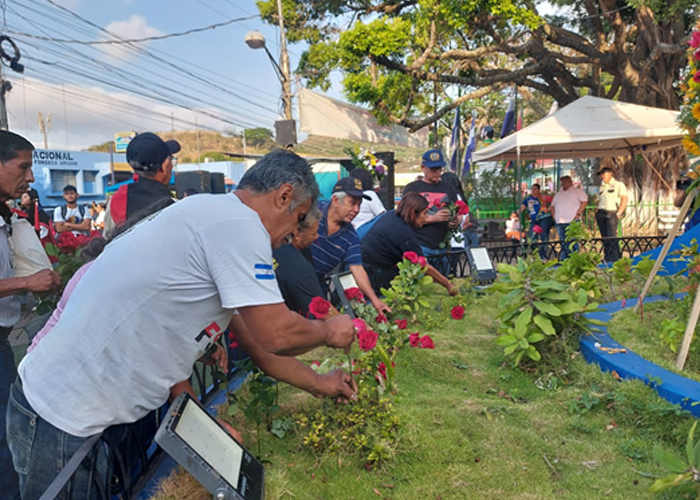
(135, 40)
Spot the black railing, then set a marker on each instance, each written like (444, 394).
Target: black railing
(508, 251)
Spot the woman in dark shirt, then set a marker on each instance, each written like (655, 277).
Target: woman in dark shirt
(390, 237)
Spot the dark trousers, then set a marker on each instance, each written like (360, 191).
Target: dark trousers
(9, 482)
(607, 224)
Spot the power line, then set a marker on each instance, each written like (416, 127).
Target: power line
(135, 40)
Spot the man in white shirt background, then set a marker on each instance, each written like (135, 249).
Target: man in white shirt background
(567, 206)
(71, 217)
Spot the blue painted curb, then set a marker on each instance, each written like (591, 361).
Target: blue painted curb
(670, 386)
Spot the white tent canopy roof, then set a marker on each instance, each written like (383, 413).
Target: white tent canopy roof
(589, 127)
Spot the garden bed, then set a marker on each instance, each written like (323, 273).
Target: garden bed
(475, 427)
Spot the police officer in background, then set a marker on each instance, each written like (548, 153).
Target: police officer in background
(612, 202)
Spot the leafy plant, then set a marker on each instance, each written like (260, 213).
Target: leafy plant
(409, 290)
(535, 306)
(682, 471)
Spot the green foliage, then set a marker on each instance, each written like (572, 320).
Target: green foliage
(682, 470)
(409, 289)
(259, 136)
(538, 304)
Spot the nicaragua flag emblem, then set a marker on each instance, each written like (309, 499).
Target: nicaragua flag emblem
(264, 272)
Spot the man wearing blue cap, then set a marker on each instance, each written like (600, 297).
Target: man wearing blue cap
(440, 195)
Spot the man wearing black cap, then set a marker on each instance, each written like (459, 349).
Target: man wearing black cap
(338, 241)
(612, 201)
(71, 217)
(439, 194)
(152, 160)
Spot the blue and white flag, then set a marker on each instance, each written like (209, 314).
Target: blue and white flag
(471, 147)
(509, 119)
(454, 144)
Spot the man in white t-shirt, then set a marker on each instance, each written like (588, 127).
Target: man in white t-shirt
(181, 275)
(567, 206)
(71, 216)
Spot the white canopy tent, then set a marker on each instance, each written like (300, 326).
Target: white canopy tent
(589, 127)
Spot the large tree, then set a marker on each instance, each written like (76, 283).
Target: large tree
(398, 56)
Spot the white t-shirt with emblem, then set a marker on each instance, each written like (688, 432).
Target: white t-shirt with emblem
(73, 215)
(147, 309)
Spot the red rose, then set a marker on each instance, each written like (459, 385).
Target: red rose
(422, 261)
(367, 340)
(360, 325)
(462, 208)
(67, 242)
(412, 257)
(426, 342)
(696, 77)
(402, 324)
(457, 312)
(315, 363)
(414, 339)
(697, 55)
(382, 369)
(381, 318)
(232, 339)
(319, 307)
(354, 293)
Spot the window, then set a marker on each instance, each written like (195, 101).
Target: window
(62, 178)
(90, 181)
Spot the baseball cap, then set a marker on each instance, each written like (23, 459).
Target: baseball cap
(351, 186)
(433, 159)
(604, 169)
(147, 151)
(70, 187)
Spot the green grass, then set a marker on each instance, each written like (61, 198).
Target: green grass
(476, 428)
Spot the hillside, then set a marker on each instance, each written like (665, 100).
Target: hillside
(204, 144)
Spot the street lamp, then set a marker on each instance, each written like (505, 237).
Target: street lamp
(256, 40)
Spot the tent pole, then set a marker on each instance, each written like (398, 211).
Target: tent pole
(689, 331)
(657, 172)
(667, 246)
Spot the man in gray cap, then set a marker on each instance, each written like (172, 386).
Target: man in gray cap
(612, 201)
(153, 160)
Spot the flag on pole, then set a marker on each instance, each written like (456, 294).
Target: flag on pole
(509, 119)
(454, 144)
(471, 147)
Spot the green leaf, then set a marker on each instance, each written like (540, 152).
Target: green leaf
(582, 297)
(569, 307)
(670, 481)
(232, 409)
(426, 280)
(522, 322)
(669, 461)
(545, 324)
(547, 308)
(518, 357)
(534, 337)
(555, 296)
(510, 349)
(506, 340)
(533, 353)
(523, 344)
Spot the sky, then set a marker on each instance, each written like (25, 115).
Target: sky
(210, 80)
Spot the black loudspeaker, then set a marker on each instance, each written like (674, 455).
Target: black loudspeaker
(286, 132)
(199, 180)
(218, 183)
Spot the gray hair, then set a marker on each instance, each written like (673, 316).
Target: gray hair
(340, 196)
(311, 218)
(278, 168)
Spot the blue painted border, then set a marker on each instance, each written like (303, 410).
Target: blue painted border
(670, 386)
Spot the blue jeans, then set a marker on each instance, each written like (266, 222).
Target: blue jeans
(442, 263)
(565, 245)
(471, 238)
(40, 451)
(9, 483)
(546, 224)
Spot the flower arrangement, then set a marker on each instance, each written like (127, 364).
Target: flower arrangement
(457, 209)
(367, 160)
(689, 119)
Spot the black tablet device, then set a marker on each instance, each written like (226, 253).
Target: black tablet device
(201, 445)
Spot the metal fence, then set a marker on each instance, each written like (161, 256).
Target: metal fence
(508, 251)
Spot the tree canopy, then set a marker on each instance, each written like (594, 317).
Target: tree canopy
(405, 58)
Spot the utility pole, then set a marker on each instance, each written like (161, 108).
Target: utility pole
(4, 87)
(284, 63)
(45, 128)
